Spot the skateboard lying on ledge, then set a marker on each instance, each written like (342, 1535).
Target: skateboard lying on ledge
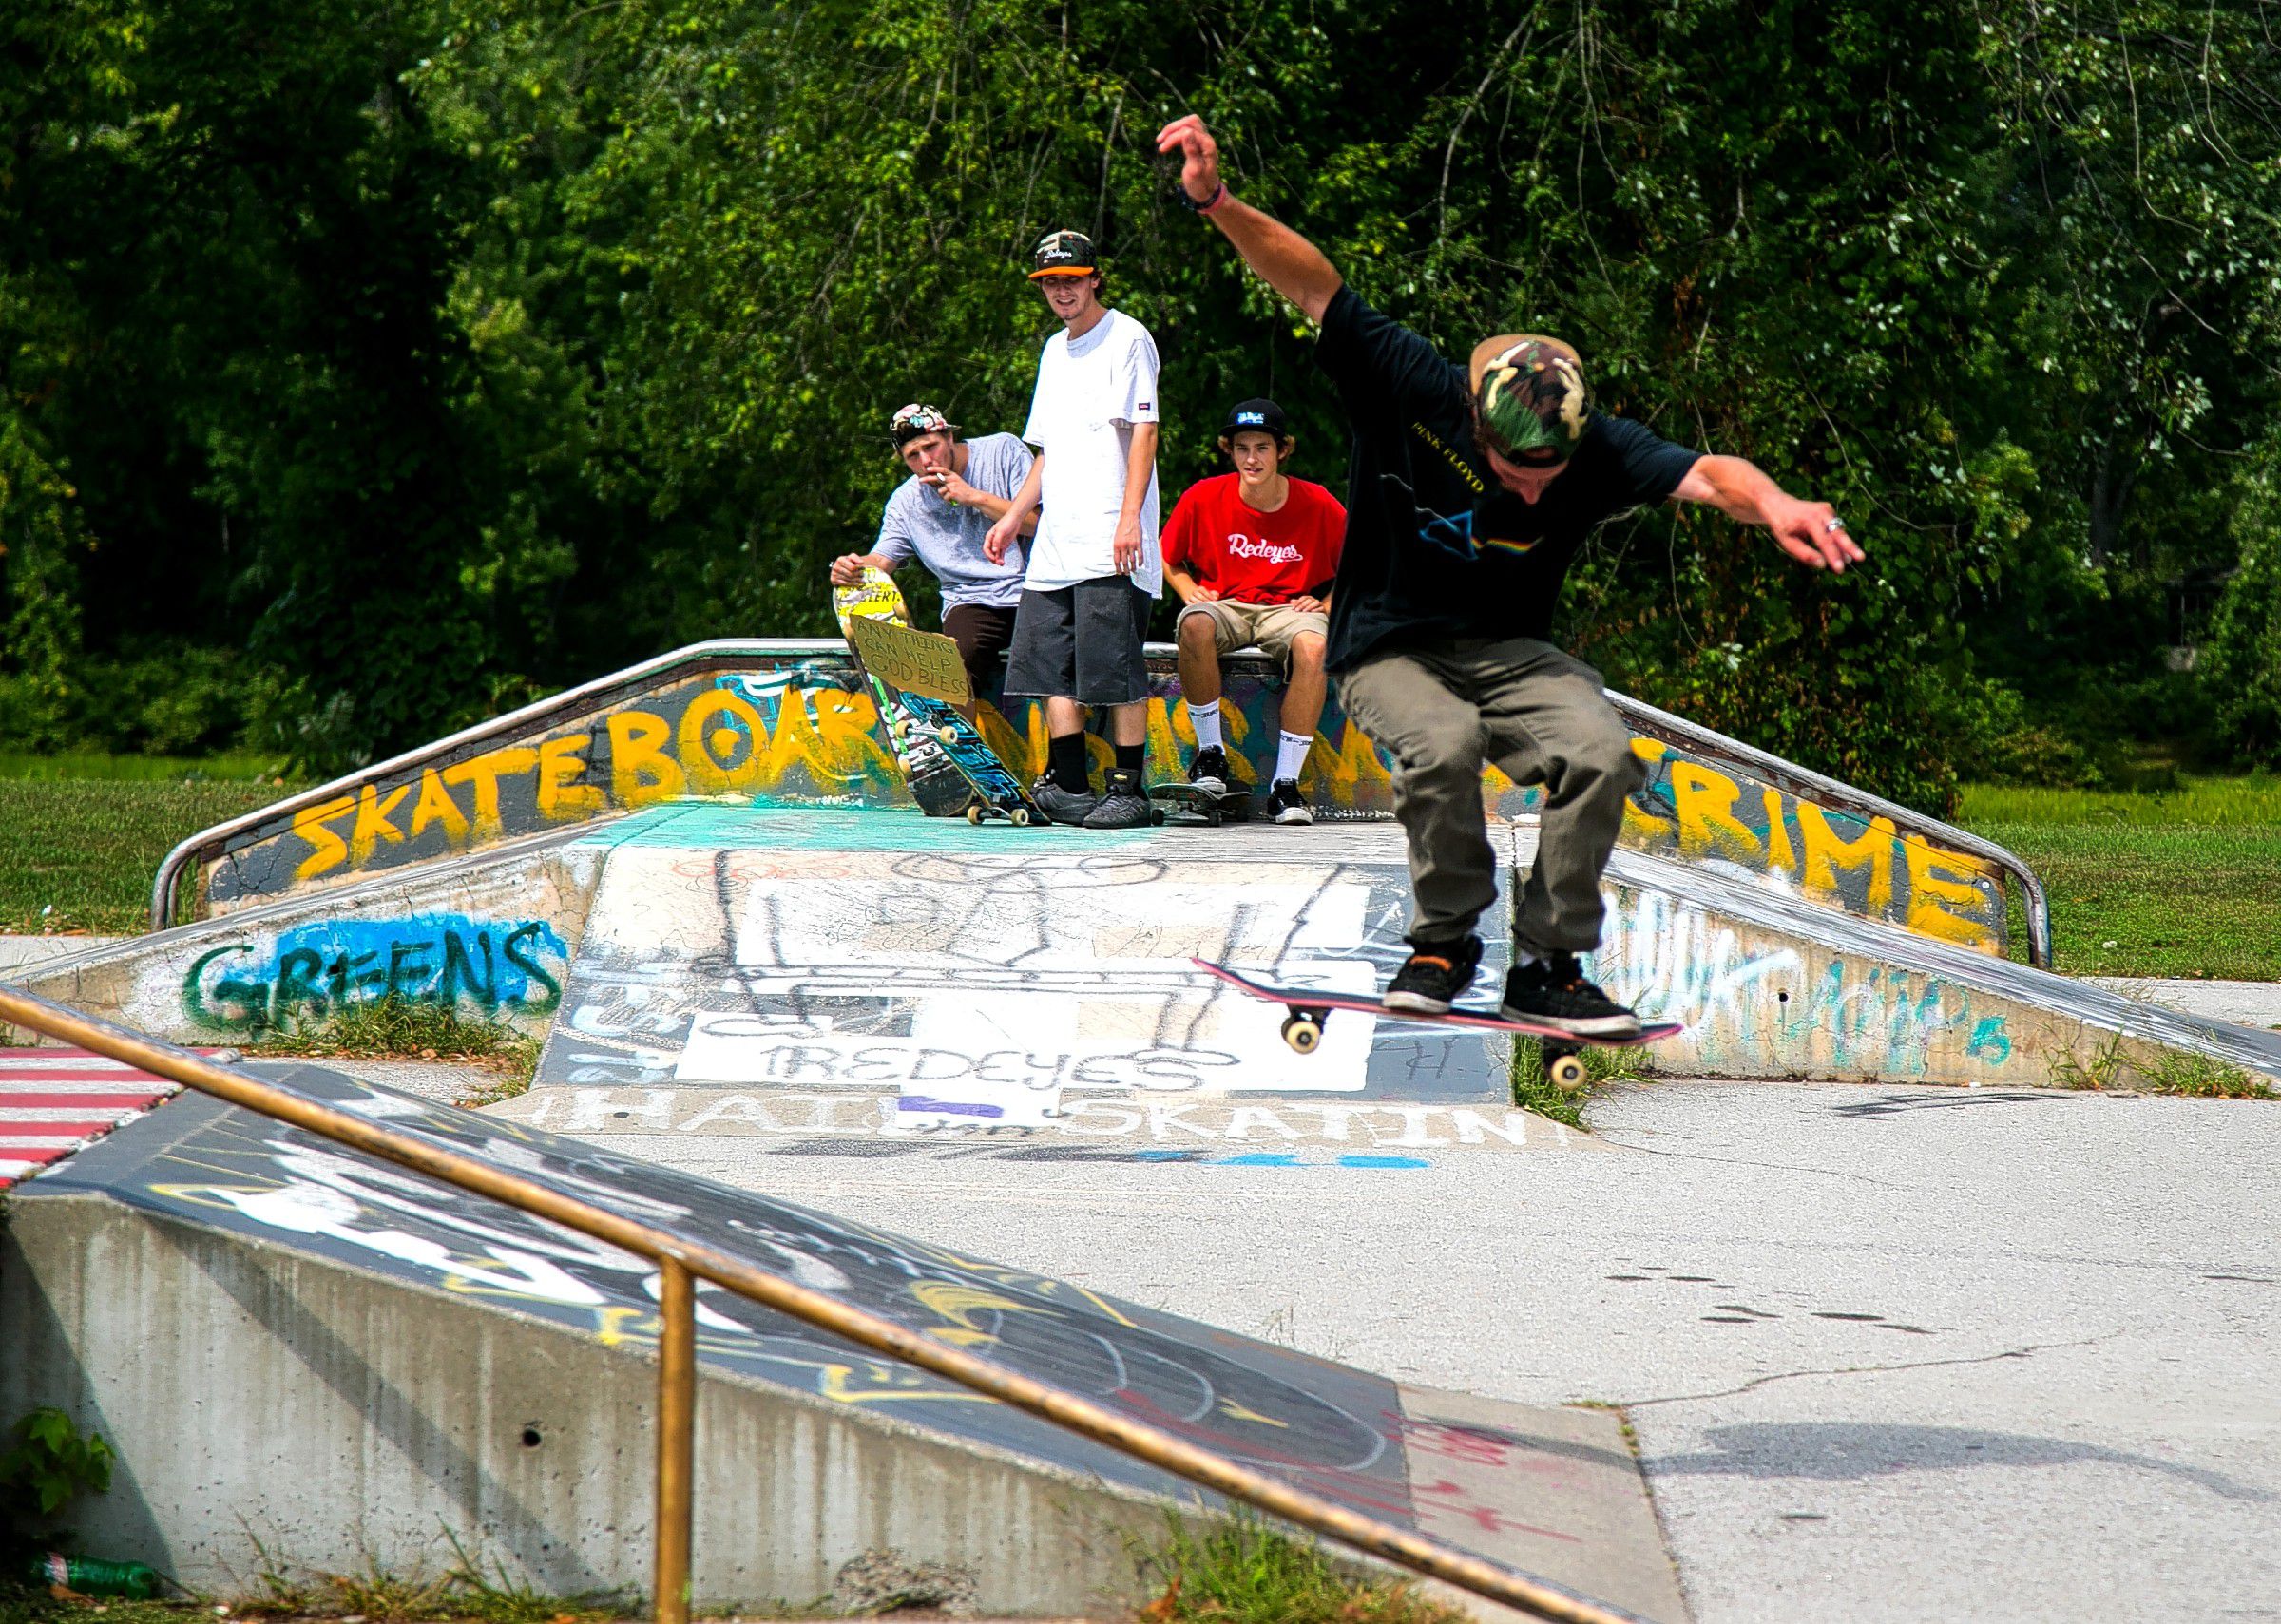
(1195, 805)
(1308, 1008)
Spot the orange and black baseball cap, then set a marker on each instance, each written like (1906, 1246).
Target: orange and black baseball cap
(1530, 397)
(1063, 253)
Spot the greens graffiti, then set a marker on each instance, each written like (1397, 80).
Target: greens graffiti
(486, 967)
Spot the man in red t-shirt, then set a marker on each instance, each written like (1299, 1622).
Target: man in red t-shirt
(1252, 555)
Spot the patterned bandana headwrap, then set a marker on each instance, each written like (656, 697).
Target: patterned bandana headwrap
(1530, 397)
(914, 420)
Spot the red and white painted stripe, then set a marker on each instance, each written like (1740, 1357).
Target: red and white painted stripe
(54, 1100)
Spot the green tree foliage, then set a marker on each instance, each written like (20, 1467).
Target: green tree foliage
(2242, 672)
(473, 344)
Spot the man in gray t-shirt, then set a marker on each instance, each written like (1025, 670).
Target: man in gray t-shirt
(957, 490)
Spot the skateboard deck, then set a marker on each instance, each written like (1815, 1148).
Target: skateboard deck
(1200, 807)
(936, 783)
(1309, 1007)
(912, 665)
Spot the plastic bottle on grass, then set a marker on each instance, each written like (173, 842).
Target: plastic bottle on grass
(89, 1577)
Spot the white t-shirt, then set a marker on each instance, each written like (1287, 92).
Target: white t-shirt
(1089, 395)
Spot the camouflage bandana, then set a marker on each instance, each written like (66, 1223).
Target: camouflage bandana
(1532, 399)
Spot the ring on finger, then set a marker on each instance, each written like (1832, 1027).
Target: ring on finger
(1833, 525)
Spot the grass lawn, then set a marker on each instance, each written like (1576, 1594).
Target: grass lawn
(2184, 884)
(78, 854)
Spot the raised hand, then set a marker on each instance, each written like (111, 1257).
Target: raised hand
(1199, 155)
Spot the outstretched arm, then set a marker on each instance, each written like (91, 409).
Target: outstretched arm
(1285, 260)
(1808, 531)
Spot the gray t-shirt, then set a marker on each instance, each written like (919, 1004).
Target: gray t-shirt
(947, 539)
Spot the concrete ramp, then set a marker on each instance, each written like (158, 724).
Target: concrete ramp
(1770, 985)
(999, 978)
(707, 967)
(286, 1341)
(789, 722)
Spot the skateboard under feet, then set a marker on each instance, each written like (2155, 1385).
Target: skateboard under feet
(1308, 1007)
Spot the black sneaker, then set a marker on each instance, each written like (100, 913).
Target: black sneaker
(1125, 806)
(1209, 770)
(1287, 805)
(1552, 991)
(1436, 973)
(1059, 805)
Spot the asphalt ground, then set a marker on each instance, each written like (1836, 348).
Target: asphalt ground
(1892, 1354)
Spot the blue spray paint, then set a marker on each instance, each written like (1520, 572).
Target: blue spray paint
(315, 970)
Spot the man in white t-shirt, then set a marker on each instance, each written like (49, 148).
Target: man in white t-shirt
(1094, 564)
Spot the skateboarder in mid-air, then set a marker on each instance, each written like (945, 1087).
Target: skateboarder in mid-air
(1469, 490)
(942, 514)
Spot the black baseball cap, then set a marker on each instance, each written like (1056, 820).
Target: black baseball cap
(1260, 414)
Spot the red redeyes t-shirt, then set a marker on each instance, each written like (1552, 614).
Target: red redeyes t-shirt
(1254, 557)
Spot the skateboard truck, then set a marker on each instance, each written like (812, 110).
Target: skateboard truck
(1303, 1027)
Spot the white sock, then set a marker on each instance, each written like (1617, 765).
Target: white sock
(1291, 755)
(1206, 719)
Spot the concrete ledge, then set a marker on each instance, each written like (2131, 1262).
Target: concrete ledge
(343, 1417)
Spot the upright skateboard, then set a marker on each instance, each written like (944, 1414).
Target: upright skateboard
(922, 674)
(936, 783)
(1308, 1008)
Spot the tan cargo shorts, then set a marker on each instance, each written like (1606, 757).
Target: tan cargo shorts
(1273, 626)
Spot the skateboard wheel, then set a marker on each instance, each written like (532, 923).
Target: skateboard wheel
(947, 735)
(1566, 1072)
(1019, 817)
(974, 812)
(1303, 1033)
(899, 729)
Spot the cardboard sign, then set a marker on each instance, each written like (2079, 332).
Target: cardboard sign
(919, 662)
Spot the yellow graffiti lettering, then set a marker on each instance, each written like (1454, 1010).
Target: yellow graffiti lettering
(435, 805)
(485, 772)
(846, 726)
(795, 743)
(1708, 826)
(1781, 857)
(1344, 767)
(331, 850)
(560, 761)
(1012, 748)
(1825, 853)
(1640, 827)
(371, 826)
(640, 771)
(713, 771)
(1937, 897)
(1166, 731)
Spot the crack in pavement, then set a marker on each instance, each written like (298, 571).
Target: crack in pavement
(1741, 1161)
(2027, 1352)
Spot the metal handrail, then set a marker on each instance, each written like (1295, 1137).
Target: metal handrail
(682, 1262)
(1826, 790)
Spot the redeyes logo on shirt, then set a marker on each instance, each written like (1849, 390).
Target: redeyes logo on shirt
(1242, 546)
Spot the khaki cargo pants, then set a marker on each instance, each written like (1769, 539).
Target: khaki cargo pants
(1444, 709)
